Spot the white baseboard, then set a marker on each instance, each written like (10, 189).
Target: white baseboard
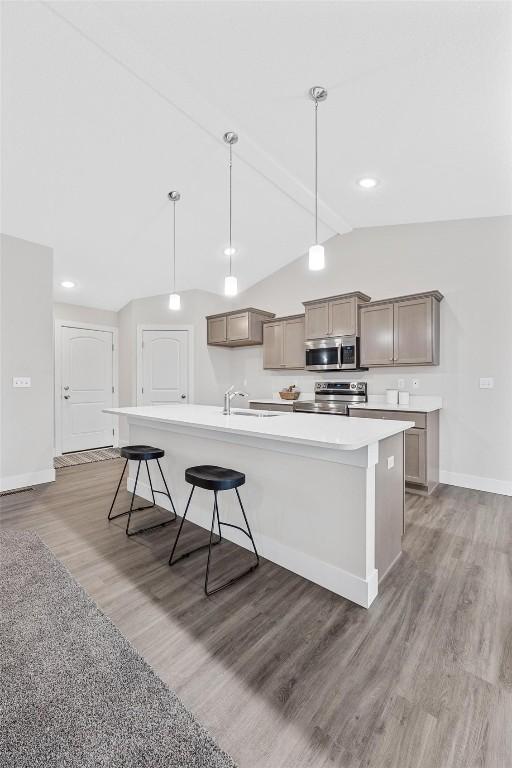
(360, 591)
(503, 487)
(30, 478)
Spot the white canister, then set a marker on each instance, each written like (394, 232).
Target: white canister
(392, 396)
(404, 398)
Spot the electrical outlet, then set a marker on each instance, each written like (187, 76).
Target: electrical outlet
(401, 383)
(415, 383)
(21, 381)
(391, 462)
(487, 383)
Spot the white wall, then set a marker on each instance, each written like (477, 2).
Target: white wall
(470, 262)
(78, 314)
(26, 329)
(212, 365)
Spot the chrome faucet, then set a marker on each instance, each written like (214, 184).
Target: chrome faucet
(228, 396)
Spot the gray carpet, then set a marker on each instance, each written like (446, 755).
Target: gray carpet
(85, 457)
(73, 691)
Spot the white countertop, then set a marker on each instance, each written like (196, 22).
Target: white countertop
(311, 429)
(417, 404)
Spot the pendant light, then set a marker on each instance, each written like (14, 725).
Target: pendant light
(230, 281)
(174, 298)
(316, 251)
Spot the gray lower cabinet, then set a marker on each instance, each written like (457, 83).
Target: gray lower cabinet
(241, 328)
(421, 446)
(283, 343)
(401, 331)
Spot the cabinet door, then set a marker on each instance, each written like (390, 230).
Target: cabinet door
(216, 330)
(416, 456)
(294, 353)
(342, 317)
(317, 321)
(273, 345)
(377, 335)
(238, 327)
(413, 332)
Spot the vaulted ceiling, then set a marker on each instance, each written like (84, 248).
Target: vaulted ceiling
(108, 106)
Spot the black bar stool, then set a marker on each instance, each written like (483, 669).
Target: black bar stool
(215, 479)
(142, 453)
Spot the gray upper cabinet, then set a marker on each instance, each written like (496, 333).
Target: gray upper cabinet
(294, 353)
(238, 326)
(401, 331)
(283, 343)
(217, 330)
(317, 321)
(416, 328)
(241, 328)
(334, 316)
(272, 345)
(377, 335)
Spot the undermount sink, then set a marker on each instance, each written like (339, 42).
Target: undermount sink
(256, 414)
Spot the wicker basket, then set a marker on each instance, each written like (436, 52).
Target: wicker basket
(285, 395)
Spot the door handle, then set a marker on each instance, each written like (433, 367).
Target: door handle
(66, 397)
(183, 397)
(66, 388)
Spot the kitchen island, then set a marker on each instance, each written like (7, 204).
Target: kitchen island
(324, 497)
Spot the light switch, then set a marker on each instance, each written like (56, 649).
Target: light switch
(21, 381)
(401, 383)
(391, 462)
(487, 383)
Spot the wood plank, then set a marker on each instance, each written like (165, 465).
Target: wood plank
(286, 674)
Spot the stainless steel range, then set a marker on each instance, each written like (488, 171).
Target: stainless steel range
(334, 397)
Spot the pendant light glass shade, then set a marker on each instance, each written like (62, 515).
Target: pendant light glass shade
(230, 285)
(174, 301)
(316, 257)
(316, 251)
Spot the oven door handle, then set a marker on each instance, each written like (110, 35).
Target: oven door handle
(340, 356)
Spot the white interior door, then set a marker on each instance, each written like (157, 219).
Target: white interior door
(164, 367)
(87, 388)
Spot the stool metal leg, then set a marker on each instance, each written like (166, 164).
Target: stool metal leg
(167, 489)
(128, 511)
(248, 533)
(117, 490)
(196, 549)
(140, 509)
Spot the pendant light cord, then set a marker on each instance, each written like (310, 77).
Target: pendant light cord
(230, 203)
(316, 172)
(174, 247)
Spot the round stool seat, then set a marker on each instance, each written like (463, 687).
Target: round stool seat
(214, 478)
(141, 452)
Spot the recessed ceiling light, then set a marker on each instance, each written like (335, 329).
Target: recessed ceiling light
(368, 182)
(68, 284)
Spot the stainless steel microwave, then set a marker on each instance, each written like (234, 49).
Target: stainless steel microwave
(340, 353)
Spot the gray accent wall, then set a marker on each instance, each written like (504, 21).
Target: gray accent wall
(470, 262)
(26, 335)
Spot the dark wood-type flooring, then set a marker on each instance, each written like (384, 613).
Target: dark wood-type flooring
(285, 674)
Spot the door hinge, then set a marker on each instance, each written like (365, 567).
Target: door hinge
(112, 390)
(112, 347)
(142, 390)
(113, 433)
